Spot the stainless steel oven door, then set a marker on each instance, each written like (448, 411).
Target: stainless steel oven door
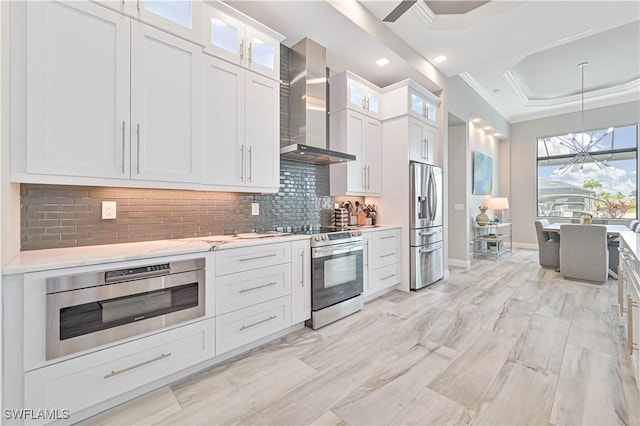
(88, 317)
(337, 274)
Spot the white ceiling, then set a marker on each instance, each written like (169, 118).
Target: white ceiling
(521, 56)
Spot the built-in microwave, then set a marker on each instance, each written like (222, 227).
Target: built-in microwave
(92, 309)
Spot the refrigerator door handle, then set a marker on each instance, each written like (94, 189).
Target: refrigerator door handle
(434, 195)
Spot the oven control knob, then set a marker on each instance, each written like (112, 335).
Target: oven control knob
(317, 238)
(324, 238)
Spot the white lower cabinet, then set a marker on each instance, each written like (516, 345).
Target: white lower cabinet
(629, 303)
(261, 290)
(249, 324)
(382, 260)
(90, 379)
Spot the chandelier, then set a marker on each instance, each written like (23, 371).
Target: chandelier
(583, 143)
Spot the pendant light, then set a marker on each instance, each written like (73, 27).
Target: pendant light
(581, 147)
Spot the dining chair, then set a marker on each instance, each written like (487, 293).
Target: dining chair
(634, 225)
(584, 254)
(548, 245)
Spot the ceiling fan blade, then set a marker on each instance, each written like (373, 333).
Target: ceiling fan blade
(399, 10)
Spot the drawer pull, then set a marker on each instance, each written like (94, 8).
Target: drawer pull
(428, 234)
(246, 259)
(387, 237)
(387, 255)
(158, 358)
(272, 317)
(387, 277)
(244, 290)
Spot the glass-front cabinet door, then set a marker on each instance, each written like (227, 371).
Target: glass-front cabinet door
(178, 17)
(421, 107)
(228, 35)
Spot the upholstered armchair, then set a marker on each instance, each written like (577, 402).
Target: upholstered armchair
(583, 252)
(634, 225)
(548, 246)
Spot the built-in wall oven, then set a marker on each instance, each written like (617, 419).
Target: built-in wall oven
(88, 310)
(336, 275)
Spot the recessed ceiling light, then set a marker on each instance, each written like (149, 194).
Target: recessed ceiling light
(382, 62)
(439, 59)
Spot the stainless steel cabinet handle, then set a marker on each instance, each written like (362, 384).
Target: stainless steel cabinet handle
(368, 177)
(621, 279)
(387, 237)
(302, 268)
(242, 163)
(245, 259)
(428, 234)
(158, 358)
(364, 177)
(250, 54)
(244, 290)
(272, 317)
(138, 4)
(426, 140)
(630, 324)
(138, 149)
(250, 174)
(123, 138)
(388, 255)
(368, 99)
(387, 277)
(242, 50)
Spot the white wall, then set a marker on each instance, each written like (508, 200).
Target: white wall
(523, 154)
(457, 247)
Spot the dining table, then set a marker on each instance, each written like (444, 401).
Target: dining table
(612, 232)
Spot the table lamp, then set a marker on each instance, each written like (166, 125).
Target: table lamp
(498, 204)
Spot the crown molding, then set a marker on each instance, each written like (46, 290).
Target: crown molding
(422, 11)
(466, 77)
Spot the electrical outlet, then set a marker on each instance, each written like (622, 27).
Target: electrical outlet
(255, 209)
(108, 209)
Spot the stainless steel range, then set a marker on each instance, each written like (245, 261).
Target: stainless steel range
(336, 276)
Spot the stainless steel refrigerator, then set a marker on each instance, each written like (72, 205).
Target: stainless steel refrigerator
(425, 222)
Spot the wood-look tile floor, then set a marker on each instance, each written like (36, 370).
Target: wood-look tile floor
(500, 343)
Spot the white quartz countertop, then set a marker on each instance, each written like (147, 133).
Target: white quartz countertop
(632, 240)
(42, 260)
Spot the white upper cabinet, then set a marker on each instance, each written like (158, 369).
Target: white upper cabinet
(236, 38)
(240, 128)
(165, 102)
(408, 97)
(108, 97)
(356, 134)
(351, 91)
(180, 17)
(77, 90)
(423, 143)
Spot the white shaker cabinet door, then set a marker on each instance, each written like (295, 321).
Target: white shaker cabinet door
(262, 131)
(373, 148)
(222, 123)
(356, 170)
(423, 143)
(165, 106)
(77, 90)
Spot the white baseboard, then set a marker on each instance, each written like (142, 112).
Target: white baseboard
(527, 246)
(459, 263)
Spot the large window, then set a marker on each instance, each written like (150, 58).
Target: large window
(594, 173)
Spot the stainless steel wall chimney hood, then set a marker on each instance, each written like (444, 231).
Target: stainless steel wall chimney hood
(308, 107)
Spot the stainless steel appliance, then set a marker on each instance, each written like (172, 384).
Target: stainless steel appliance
(308, 107)
(88, 310)
(336, 276)
(425, 221)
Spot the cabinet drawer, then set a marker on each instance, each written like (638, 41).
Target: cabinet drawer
(246, 259)
(385, 239)
(236, 291)
(87, 380)
(249, 324)
(382, 278)
(384, 256)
